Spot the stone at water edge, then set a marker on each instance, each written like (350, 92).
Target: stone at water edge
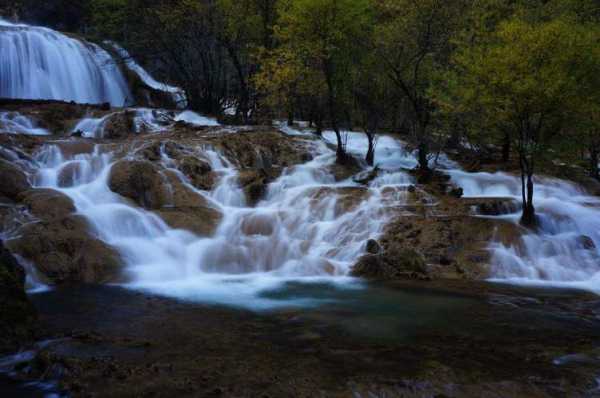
(47, 204)
(139, 181)
(198, 171)
(393, 264)
(64, 251)
(12, 180)
(17, 314)
(373, 246)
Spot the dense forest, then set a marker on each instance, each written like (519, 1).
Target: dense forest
(509, 78)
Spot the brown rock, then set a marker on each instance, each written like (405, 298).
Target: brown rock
(16, 312)
(188, 210)
(373, 247)
(47, 204)
(63, 251)
(198, 171)
(119, 125)
(254, 182)
(13, 180)
(139, 181)
(403, 263)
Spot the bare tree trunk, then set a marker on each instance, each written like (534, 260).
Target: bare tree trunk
(594, 158)
(506, 148)
(423, 155)
(341, 157)
(319, 124)
(370, 158)
(528, 218)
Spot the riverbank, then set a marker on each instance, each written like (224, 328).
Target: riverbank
(496, 341)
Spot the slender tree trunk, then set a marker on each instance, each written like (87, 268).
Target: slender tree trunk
(290, 116)
(594, 157)
(528, 218)
(341, 157)
(506, 148)
(422, 155)
(319, 124)
(370, 159)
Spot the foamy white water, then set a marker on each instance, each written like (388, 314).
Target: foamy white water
(300, 231)
(178, 94)
(40, 63)
(15, 123)
(145, 120)
(563, 251)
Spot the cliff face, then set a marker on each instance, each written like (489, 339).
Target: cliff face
(17, 314)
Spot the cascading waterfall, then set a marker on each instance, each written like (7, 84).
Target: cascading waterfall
(39, 63)
(564, 250)
(178, 94)
(302, 230)
(145, 120)
(305, 229)
(15, 123)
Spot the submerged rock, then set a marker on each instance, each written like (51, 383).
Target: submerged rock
(17, 314)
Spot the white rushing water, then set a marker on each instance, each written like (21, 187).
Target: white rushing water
(178, 94)
(15, 123)
(144, 120)
(308, 227)
(40, 63)
(563, 250)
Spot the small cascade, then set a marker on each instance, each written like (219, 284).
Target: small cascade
(144, 120)
(40, 63)
(15, 123)
(308, 226)
(178, 94)
(564, 249)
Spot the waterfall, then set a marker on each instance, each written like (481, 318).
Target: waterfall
(178, 94)
(564, 249)
(302, 230)
(40, 63)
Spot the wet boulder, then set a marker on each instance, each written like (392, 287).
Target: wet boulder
(119, 125)
(140, 181)
(13, 180)
(254, 182)
(398, 264)
(373, 246)
(47, 204)
(64, 251)
(585, 242)
(198, 171)
(494, 206)
(187, 209)
(17, 314)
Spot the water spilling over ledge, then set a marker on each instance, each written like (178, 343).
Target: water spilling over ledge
(39, 63)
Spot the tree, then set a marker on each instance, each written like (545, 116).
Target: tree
(413, 41)
(528, 76)
(326, 37)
